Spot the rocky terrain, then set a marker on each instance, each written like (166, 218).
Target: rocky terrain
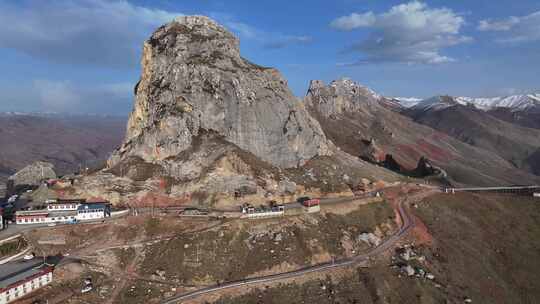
(478, 128)
(68, 142)
(360, 122)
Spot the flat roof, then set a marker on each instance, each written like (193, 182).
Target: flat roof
(32, 212)
(62, 213)
(13, 272)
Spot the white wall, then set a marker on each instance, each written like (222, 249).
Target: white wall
(264, 214)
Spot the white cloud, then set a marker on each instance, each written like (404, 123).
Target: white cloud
(95, 32)
(268, 39)
(408, 33)
(354, 21)
(44, 95)
(514, 29)
(500, 25)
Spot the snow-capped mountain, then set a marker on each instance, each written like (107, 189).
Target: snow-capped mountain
(438, 103)
(514, 102)
(407, 102)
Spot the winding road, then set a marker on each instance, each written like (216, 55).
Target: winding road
(407, 223)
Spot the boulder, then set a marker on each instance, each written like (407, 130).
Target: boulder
(370, 238)
(408, 270)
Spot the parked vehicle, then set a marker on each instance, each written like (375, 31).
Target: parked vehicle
(29, 256)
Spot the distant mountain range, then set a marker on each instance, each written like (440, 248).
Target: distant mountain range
(514, 102)
(523, 110)
(66, 140)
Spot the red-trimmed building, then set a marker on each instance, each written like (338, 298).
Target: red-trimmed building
(310, 204)
(31, 217)
(18, 279)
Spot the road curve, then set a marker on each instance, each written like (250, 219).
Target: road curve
(407, 223)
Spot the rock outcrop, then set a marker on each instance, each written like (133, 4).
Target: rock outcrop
(32, 175)
(194, 81)
(372, 152)
(425, 168)
(341, 97)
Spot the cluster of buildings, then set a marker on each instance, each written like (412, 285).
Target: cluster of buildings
(308, 205)
(64, 211)
(20, 278)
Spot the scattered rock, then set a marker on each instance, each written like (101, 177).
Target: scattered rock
(408, 270)
(370, 239)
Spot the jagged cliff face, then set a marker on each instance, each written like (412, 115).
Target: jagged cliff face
(195, 81)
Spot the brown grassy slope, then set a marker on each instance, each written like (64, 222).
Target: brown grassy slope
(477, 128)
(407, 141)
(529, 119)
(489, 245)
(232, 254)
(67, 142)
(486, 248)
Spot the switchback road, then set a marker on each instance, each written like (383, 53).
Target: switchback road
(407, 223)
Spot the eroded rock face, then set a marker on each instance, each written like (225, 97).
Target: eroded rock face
(194, 80)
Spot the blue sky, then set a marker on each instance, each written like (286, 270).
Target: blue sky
(82, 56)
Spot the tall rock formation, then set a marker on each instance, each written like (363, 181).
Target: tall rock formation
(195, 82)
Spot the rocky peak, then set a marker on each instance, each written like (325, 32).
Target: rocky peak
(341, 96)
(195, 38)
(194, 81)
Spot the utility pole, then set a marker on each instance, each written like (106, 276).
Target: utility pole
(197, 253)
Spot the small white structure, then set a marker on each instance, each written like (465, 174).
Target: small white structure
(536, 194)
(18, 279)
(248, 211)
